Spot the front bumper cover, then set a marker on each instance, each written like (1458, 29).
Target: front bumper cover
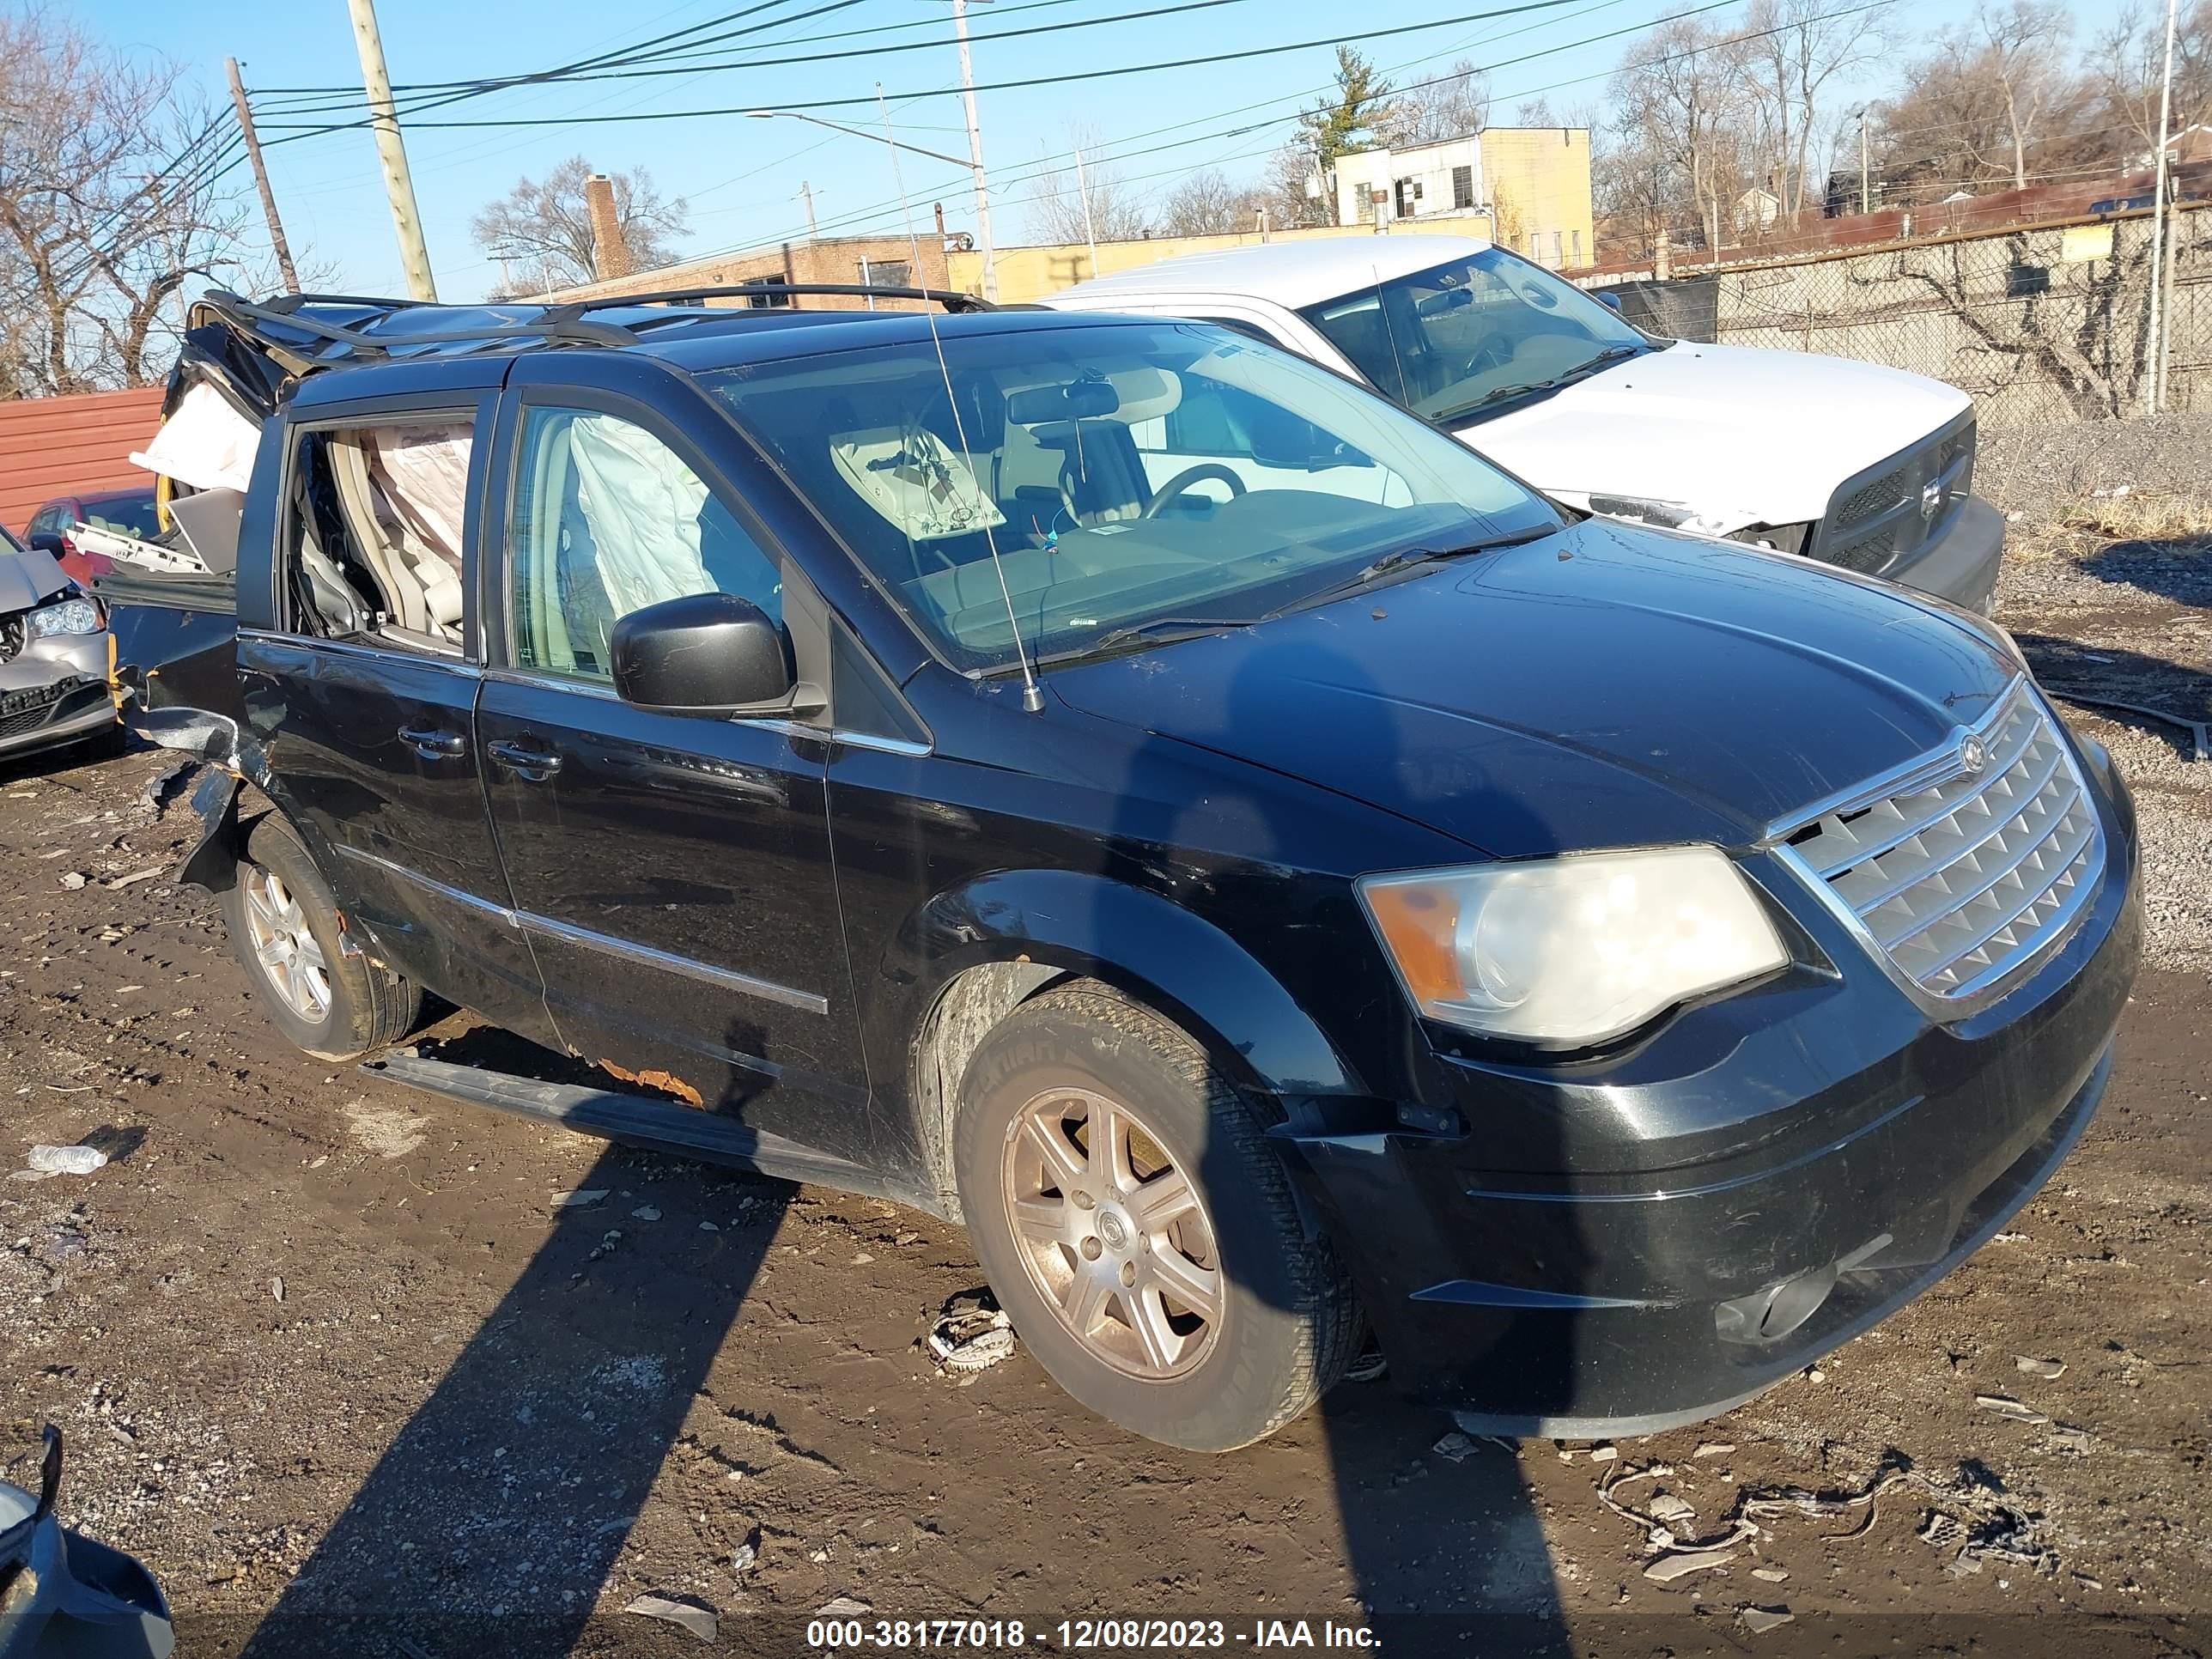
(54, 690)
(1753, 1201)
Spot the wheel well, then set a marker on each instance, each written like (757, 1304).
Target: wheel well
(963, 1015)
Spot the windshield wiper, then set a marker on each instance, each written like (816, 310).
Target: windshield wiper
(1580, 371)
(1411, 558)
(1176, 627)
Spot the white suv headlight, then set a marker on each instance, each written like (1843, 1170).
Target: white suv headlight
(1568, 951)
(66, 616)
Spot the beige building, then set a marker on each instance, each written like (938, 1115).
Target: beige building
(871, 261)
(1533, 183)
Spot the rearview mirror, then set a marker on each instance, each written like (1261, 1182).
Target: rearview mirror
(711, 654)
(1089, 399)
(48, 541)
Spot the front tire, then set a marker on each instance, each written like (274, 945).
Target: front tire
(1136, 1224)
(286, 933)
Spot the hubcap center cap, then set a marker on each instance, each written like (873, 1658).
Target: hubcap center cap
(1113, 1231)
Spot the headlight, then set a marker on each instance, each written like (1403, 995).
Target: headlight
(66, 616)
(1569, 951)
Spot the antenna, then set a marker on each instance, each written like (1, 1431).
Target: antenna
(1032, 695)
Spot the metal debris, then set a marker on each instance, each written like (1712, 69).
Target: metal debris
(701, 1622)
(746, 1556)
(2068, 1438)
(1670, 1510)
(1772, 1574)
(1713, 1449)
(1603, 1454)
(2048, 1369)
(1667, 1568)
(577, 1201)
(971, 1333)
(122, 882)
(2009, 1409)
(1455, 1448)
(842, 1607)
(1759, 1620)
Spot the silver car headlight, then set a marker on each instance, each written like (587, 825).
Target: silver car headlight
(1569, 951)
(66, 616)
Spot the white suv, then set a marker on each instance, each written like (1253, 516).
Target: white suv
(1866, 468)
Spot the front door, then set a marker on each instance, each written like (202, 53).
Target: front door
(363, 693)
(673, 872)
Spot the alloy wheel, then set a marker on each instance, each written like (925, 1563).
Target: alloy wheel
(1113, 1232)
(290, 957)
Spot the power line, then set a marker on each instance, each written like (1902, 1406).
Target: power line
(1026, 82)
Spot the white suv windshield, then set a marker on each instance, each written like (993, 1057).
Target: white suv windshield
(1123, 475)
(1447, 341)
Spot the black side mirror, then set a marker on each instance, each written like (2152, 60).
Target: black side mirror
(709, 654)
(48, 541)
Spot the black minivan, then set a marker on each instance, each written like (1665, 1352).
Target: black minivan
(1266, 872)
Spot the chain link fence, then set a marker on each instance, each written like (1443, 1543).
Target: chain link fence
(2040, 323)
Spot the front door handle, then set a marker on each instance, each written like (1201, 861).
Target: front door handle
(433, 745)
(534, 765)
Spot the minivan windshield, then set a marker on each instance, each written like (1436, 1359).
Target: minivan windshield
(1474, 333)
(1126, 476)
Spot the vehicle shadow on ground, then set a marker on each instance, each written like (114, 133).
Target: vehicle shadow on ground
(2176, 570)
(2103, 676)
(493, 1520)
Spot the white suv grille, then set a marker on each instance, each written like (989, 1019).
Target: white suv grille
(1963, 879)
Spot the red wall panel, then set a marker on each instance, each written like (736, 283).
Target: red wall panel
(53, 446)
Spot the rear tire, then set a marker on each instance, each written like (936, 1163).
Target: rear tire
(286, 933)
(1200, 1315)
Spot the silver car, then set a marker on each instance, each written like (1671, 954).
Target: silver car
(55, 658)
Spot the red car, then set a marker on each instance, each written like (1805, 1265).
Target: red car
(127, 512)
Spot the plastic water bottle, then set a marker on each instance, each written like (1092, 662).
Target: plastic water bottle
(67, 1160)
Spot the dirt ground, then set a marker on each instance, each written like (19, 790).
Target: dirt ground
(332, 1361)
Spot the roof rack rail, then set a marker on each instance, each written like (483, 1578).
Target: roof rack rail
(951, 299)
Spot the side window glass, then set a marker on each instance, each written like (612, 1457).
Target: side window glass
(608, 520)
(372, 537)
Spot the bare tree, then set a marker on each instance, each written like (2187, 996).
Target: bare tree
(1209, 203)
(1454, 105)
(2024, 45)
(541, 231)
(1681, 107)
(1793, 52)
(2128, 65)
(111, 203)
(1292, 187)
(1058, 199)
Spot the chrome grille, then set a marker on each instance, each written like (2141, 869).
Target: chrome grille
(11, 637)
(1963, 879)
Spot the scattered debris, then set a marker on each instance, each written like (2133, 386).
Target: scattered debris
(276, 1289)
(1759, 1620)
(2009, 1409)
(1942, 1530)
(971, 1333)
(66, 1160)
(747, 1554)
(645, 1213)
(1772, 1574)
(577, 1201)
(701, 1622)
(842, 1607)
(2048, 1369)
(1370, 1367)
(1670, 1510)
(1713, 1449)
(2068, 1438)
(1667, 1568)
(1454, 1448)
(74, 880)
(165, 783)
(2007, 1238)
(132, 880)
(1604, 1454)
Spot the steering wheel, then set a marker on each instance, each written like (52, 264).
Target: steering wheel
(1183, 480)
(1491, 354)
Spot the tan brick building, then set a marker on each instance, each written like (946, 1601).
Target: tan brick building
(877, 261)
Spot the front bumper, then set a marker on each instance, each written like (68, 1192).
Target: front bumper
(1770, 1176)
(56, 690)
(1961, 564)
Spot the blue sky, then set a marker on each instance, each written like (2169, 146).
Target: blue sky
(742, 177)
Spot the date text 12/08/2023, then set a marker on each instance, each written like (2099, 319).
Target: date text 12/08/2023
(1084, 1635)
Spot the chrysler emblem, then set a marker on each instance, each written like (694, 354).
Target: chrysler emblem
(1931, 501)
(1973, 754)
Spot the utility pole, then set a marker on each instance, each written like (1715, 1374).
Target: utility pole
(390, 153)
(1866, 203)
(261, 178)
(806, 195)
(975, 150)
(1090, 229)
(2161, 296)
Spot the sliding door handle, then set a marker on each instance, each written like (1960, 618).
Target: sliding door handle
(432, 744)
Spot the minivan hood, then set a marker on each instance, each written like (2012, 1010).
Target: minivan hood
(1737, 431)
(25, 578)
(1607, 686)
